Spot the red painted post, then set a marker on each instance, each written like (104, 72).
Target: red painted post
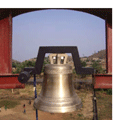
(108, 47)
(6, 45)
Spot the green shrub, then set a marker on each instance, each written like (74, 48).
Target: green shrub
(97, 67)
(109, 91)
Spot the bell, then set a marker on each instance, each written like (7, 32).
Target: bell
(57, 94)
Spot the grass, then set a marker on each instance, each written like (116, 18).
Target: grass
(104, 104)
(105, 91)
(9, 103)
(26, 93)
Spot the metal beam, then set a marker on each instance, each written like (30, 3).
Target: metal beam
(10, 82)
(102, 81)
(108, 47)
(6, 45)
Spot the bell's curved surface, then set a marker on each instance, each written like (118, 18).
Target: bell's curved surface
(57, 94)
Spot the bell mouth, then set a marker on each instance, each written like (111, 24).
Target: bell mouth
(58, 105)
(60, 109)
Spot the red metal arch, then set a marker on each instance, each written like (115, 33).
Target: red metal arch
(6, 37)
(104, 13)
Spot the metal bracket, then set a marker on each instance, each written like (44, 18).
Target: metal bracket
(58, 49)
(24, 76)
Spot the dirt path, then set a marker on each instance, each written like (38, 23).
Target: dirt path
(87, 109)
(48, 116)
(6, 112)
(17, 113)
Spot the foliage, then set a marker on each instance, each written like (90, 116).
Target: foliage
(107, 91)
(20, 66)
(14, 64)
(97, 67)
(83, 63)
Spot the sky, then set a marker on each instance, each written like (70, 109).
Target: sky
(56, 28)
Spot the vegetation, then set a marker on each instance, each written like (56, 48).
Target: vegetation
(105, 91)
(109, 91)
(97, 67)
(95, 64)
(83, 63)
(9, 103)
(20, 66)
(104, 104)
(87, 60)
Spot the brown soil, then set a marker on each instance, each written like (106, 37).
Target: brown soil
(87, 109)
(17, 112)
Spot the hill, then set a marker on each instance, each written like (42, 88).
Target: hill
(101, 55)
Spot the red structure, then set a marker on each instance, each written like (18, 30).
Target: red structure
(6, 45)
(10, 82)
(103, 81)
(108, 47)
(6, 42)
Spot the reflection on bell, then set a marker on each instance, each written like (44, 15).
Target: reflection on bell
(57, 94)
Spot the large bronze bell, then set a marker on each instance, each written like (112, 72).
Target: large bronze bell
(57, 94)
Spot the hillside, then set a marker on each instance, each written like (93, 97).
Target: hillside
(85, 61)
(101, 55)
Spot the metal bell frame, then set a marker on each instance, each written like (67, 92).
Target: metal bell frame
(25, 75)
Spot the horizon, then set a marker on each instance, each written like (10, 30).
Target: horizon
(49, 53)
(56, 28)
